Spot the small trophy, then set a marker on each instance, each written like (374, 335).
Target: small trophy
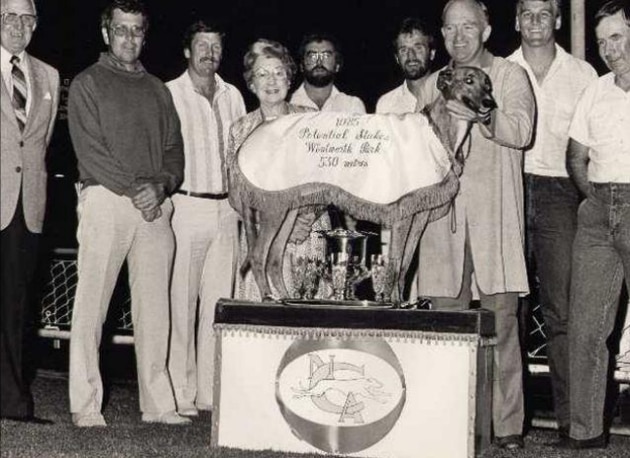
(379, 276)
(307, 273)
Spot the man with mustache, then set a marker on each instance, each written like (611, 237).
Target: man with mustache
(320, 61)
(204, 223)
(126, 135)
(552, 199)
(414, 50)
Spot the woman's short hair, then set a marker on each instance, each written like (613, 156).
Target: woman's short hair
(267, 48)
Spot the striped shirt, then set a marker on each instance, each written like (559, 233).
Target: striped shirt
(205, 128)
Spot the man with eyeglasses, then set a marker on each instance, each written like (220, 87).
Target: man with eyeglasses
(126, 135)
(483, 234)
(320, 61)
(30, 95)
(204, 223)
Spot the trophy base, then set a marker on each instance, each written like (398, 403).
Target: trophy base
(337, 303)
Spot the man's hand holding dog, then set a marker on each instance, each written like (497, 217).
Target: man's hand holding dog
(460, 111)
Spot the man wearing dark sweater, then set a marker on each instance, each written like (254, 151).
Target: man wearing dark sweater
(126, 136)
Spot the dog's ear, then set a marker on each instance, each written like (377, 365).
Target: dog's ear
(488, 84)
(445, 79)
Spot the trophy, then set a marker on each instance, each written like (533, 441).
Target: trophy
(346, 255)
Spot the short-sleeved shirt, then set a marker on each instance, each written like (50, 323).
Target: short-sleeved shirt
(399, 100)
(556, 99)
(338, 101)
(602, 123)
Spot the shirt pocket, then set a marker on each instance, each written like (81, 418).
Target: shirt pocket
(561, 115)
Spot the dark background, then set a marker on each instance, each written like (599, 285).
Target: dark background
(68, 37)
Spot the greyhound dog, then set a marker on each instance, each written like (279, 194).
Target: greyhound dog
(277, 217)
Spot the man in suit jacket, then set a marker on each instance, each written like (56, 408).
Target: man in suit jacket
(29, 99)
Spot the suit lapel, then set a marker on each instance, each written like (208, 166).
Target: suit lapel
(38, 82)
(7, 108)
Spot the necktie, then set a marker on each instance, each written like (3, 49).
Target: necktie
(19, 92)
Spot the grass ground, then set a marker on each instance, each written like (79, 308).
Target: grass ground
(127, 436)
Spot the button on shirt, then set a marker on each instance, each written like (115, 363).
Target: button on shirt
(399, 100)
(556, 99)
(338, 101)
(205, 128)
(602, 123)
(6, 66)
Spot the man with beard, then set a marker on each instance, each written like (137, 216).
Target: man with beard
(552, 199)
(204, 223)
(414, 49)
(320, 61)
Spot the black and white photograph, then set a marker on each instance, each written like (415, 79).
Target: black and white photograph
(351, 228)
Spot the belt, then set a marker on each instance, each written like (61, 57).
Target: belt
(203, 195)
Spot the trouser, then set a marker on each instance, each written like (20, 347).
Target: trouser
(507, 389)
(601, 259)
(551, 212)
(18, 262)
(111, 230)
(205, 239)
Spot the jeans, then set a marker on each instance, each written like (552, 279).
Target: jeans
(601, 258)
(551, 211)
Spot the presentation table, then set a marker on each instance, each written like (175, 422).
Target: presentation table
(353, 378)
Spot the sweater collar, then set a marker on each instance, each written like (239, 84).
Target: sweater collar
(112, 62)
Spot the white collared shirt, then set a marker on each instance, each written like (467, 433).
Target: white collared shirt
(399, 100)
(556, 99)
(338, 101)
(602, 123)
(6, 66)
(205, 129)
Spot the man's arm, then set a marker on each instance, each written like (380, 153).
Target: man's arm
(150, 195)
(577, 166)
(172, 173)
(512, 123)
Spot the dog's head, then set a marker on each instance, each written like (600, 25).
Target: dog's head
(470, 85)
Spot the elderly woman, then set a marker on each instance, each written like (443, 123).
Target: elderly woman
(269, 70)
